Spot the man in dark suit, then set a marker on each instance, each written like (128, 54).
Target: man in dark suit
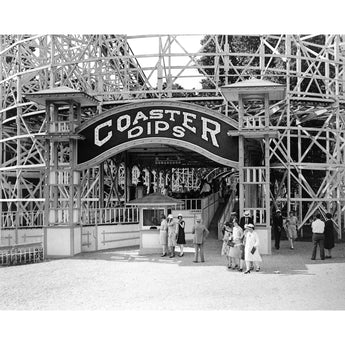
(246, 219)
(277, 228)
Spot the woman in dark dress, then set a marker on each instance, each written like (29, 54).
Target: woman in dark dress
(181, 240)
(329, 235)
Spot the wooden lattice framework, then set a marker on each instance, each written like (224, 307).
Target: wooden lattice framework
(310, 119)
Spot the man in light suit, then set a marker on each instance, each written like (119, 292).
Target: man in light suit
(200, 233)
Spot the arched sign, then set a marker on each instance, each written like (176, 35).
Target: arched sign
(164, 122)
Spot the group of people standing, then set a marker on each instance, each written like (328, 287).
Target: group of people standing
(323, 236)
(322, 232)
(290, 225)
(241, 241)
(172, 233)
(241, 244)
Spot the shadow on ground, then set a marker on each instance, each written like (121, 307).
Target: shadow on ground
(281, 262)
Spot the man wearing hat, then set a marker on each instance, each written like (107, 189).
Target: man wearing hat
(200, 233)
(246, 219)
(277, 228)
(172, 233)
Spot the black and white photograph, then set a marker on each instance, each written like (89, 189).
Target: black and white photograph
(172, 172)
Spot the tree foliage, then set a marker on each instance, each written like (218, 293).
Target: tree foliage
(237, 44)
(244, 61)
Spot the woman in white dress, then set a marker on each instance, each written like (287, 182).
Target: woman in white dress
(251, 249)
(235, 250)
(291, 228)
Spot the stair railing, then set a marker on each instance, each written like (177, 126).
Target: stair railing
(226, 213)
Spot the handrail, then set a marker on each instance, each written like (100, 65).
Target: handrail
(21, 245)
(227, 210)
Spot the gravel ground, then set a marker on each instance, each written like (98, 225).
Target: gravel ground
(124, 280)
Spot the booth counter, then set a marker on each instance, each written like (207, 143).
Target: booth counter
(151, 208)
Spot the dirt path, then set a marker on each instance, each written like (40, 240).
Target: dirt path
(123, 280)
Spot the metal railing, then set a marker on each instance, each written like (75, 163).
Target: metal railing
(117, 215)
(258, 214)
(253, 122)
(62, 126)
(31, 219)
(189, 204)
(89, 216)
(24, 253)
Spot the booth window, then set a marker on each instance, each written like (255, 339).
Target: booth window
(152, 217)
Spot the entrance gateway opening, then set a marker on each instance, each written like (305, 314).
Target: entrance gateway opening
(177, 158)
(106, 177)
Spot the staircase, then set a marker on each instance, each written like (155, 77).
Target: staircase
(225, 212)
(213, 227)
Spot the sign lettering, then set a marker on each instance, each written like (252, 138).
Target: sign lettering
(172, 123)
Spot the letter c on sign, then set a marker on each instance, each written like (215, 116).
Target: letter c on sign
(109, 135)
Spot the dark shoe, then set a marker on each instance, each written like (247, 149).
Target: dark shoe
(202, 260)
(235, 267)
(181, 255)
(258, 269)
(328, 257)
(229, 267)
(195, 261)
(312, 258)
(240, 269)
(172, 256)
(322, 258)
(165, 254)
(291, 247)
(247, 271)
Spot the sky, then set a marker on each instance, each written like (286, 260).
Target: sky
(191, 43)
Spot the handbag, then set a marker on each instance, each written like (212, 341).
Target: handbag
(253, 250)
(231, 243)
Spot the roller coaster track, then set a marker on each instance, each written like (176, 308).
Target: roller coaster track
(310, 120)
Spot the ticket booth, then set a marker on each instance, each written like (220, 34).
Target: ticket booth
(151, 208)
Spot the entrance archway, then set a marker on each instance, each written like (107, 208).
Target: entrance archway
(161, 135)
(157, 125)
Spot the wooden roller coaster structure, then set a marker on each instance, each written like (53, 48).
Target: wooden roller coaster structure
(119, 69)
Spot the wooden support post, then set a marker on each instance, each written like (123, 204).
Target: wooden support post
(101, 186)
(267, 166)
(241, 157)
